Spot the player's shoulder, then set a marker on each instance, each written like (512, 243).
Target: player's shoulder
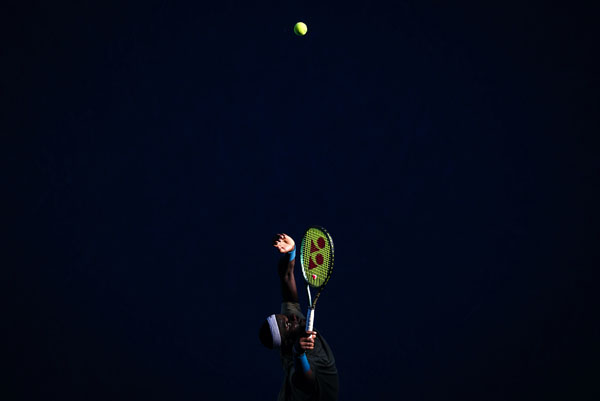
(293, 308)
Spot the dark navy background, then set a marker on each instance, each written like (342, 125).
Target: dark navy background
(154, 148)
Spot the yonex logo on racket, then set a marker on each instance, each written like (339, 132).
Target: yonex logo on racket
(318, 248)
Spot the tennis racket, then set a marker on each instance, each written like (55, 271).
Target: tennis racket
(316, 260)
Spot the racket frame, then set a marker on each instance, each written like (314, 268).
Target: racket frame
(310, 316)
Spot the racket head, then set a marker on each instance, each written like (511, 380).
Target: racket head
(316, 256)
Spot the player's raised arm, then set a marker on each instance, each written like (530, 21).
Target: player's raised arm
(286, 246)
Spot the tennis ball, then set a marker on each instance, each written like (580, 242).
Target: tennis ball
(300, 28)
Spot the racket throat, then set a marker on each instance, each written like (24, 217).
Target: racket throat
(310, 303)
(310, 316)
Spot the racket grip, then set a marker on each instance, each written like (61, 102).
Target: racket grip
(310, 319)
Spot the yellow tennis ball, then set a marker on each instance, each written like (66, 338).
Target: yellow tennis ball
(300, 28)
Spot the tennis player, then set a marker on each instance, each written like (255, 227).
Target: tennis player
(308, 364)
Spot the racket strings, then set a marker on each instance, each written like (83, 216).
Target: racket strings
(317, 257)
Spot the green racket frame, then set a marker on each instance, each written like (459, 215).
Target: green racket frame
(316, 261)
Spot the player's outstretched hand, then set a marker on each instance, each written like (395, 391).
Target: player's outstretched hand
(306, 343)
(283, 242)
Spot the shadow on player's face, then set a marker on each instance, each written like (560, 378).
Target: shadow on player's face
(290, 327)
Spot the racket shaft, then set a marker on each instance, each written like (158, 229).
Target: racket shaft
(310, 319)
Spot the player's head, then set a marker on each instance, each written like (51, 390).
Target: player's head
(280, 331)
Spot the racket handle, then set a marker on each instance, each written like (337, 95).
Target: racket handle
(310, 319)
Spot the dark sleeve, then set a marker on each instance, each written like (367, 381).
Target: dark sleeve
(292, 308)
(325, 370)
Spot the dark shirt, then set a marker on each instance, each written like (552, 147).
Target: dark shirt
(322, 363)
